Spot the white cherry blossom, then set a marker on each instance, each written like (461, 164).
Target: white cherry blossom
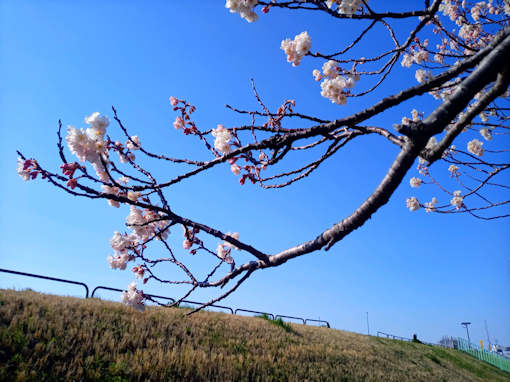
(413, 204)
(296, 49)
(475, 147)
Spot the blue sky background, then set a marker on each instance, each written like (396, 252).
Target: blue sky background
(412, 272)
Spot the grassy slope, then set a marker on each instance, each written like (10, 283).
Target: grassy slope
(45, 337)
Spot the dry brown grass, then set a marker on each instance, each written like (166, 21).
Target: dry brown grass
(44, 337)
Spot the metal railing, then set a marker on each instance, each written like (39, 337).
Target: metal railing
(457, 343)
(392, 336)
(293, 318)
(213, 305)
(310, 320)
(48, 278)
(121, 290)
(102, 287)
(254, 311)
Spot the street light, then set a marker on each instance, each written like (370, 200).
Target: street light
(465, 324)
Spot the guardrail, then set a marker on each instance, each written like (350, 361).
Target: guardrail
(254, 311)
(121, 290)
(48, 278)
(293, 318)
(392, 336)
(213, 305)
(310, 320)
(102, 287)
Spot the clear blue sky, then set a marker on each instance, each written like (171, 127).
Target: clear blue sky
(412, 272)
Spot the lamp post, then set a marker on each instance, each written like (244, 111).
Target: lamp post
(368, 326)
(465, 324)
(488, 338)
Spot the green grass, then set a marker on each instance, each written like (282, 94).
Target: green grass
(48, 338)
(278, 322)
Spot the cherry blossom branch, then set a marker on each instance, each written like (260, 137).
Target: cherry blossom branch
(321, 6)
(501, 85)
(474, 86)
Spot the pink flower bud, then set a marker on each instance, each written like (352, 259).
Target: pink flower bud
(139, 271)
(173, 101)
(72, 183)
(236, 170)
(69, 168)
(179, 123)
(186, 244)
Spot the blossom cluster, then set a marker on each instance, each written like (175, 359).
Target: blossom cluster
(431, 206)
(224, 253)
(88, 144)
(413, 204)
(457, 199)
(134, 297)
(224, 249)
(416, 55)
(415, 117)
(449, 8)
(146, 225)
(453, 170)
(296, 49)
(244, 8)
(251, 172)
(335, 87)
(472, 34)
(27, 169)
(222, 139)
(184, 122)
(133, 143)
(422, 75)
(191, 238)
(121, 244)
(475, 147)
(139, 271)
(486, 134)
(415, 182)
(346, 7)
(444, 48)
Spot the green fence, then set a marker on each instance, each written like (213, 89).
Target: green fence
(484, 355)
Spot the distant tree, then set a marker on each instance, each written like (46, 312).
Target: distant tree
(460, 55)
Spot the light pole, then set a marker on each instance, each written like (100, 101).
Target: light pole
(368, 326)
(465, 324)
(488, 338)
